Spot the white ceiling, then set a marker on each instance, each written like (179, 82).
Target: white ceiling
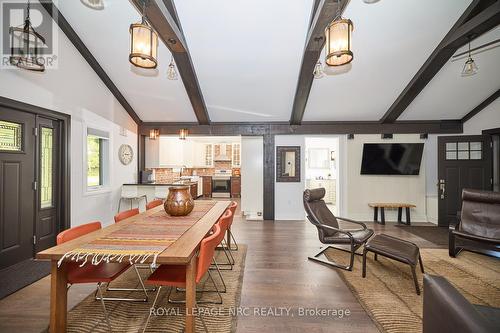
(391, 40)
(106, 34)
(247, 56)
(451, 96)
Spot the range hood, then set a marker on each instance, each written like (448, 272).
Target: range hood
(222, 157)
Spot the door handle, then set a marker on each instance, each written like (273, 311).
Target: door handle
(442, 188)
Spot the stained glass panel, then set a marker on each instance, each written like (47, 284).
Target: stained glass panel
(11, 136)
(46, 163)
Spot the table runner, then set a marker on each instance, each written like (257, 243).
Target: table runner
(139, 240)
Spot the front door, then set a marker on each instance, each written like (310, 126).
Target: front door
(463, 162)
(17, 176)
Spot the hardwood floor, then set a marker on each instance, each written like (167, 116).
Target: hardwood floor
(278, 277)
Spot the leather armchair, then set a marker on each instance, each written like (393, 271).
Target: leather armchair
(478, 226)
(329, 231)
(446, 310)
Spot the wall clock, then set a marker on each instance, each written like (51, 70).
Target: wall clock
(125, 154)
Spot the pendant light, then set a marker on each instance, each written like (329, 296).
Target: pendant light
(25, 46)
(318, 72)
(470, 67)
(338, 40)
(94, 4)
(171, 71)
(183, 133)
(143, 43)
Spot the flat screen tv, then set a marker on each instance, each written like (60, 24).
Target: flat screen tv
(391, 158)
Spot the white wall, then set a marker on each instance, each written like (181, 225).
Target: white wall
(362, 189)
(288, 196)
(252, 176)
(488, 118)
(74, 88)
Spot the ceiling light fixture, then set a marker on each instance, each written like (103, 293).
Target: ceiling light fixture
(154, 134)
(318, 72)
(183, 133)
(143, 43)
(338, 40)
(94, 4)
(171, 71)
(25, 46)
(470, 67)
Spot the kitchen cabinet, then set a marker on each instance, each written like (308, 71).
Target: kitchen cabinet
(193, 189)
(318, 158)
(202, 155)
(171, 152)
(235, 187)
(236, 155)
(207, 186)
(328, 184)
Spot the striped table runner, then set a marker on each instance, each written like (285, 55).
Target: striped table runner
(139, 240)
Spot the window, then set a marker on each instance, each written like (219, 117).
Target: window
(464, 150)
(97, 159)
(46, 167)
(10, 136)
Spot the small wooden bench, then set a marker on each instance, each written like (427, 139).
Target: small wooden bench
(399, 206)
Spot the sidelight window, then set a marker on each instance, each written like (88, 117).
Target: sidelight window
(46, 167)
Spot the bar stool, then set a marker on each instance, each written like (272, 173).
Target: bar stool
(161, 192)
(131, 193)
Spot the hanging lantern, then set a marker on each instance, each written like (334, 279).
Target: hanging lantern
(338, 42)
(318, 70)
(25, 46)
(154, 134)
(470, 67)
(143, 44)
(183, 133)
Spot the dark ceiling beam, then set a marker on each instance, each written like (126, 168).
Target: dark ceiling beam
(323, 15)
(162, 16)
(477, 12)
(481, 106)
(56, 15)
(309, 128)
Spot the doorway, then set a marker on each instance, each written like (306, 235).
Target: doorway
(463, 162)
(34, 182)
(322, 168)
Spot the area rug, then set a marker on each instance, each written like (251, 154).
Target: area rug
(388, 293)
(433, 234)
(130, 317)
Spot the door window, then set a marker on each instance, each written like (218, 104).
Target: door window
(46, 164)
(11, 136)
(464, 150)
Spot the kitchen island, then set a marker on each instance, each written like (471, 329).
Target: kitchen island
(159, 190)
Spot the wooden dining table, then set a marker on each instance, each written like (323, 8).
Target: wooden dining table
(181, 252)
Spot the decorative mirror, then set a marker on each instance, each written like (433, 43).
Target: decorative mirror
(288, 164)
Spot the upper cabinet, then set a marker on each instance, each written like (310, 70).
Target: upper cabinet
(236, 155)
(318, 158)
(203, 155)
(171, 152)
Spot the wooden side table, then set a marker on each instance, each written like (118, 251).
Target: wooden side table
(399, 206)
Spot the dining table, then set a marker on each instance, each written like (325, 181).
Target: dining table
(181, 251)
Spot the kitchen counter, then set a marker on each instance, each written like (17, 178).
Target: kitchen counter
(187, 183)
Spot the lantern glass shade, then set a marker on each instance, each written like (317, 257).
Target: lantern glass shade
(143, 45)
(339, 42)
(183, 133)
(25, 48)
(470, 67)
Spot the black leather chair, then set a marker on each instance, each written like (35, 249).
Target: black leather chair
(478, 227)
(446, 310)
(329, 231)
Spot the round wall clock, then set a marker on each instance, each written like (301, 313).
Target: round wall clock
(125, 154)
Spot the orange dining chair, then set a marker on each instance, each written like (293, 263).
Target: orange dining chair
(175, 275)
(153, 204)
(224, 223)
(126, 214)
(89, 273)
(233, 207)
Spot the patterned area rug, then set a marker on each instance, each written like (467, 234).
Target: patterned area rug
(130, 317)
(388, 294)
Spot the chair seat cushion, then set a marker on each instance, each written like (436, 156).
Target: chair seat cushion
(104, 272)
(394, 248)
(169, 275)
(360, 237)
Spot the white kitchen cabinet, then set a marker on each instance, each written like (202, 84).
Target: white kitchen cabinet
(236, 155)
(328, 184)
(202, 155)
(171, 152)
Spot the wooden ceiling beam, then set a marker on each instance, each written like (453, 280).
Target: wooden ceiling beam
(480, 17)
(325, 12)
(68, 30)
(481, 106)
(162, 16)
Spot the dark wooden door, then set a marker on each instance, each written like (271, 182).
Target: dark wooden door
(48, 177)
(463, 162)
(17, 176)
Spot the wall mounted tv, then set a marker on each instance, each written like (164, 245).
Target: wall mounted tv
(391, 158)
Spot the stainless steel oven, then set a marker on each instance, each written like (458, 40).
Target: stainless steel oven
(221, 184)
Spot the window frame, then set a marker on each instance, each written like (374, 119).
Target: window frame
(105, 160)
